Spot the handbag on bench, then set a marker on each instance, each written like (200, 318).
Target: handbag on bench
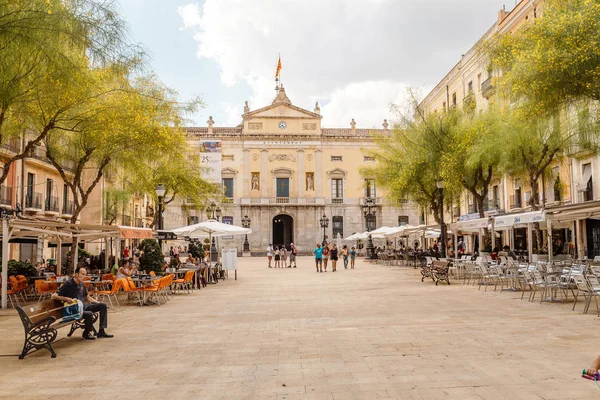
(72, 311)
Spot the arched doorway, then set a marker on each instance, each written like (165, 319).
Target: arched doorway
(283, 230)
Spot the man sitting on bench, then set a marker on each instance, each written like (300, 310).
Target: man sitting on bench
(75, 289)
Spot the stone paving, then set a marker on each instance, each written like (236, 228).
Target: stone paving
(373, 333)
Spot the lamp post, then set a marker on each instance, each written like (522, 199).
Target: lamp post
(440, 186)
(160, 193)
(369, 211)
(213, 211)
(324, 224)
(246, 224)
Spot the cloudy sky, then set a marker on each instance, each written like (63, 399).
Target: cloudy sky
(355, 57)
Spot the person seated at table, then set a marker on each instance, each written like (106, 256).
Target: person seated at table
(594, 368)
(74, 289)
(510, 252)
(40, 268)
(126, 270)
(190, 258)
(494, 253)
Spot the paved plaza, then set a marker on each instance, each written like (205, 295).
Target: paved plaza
(373, 333)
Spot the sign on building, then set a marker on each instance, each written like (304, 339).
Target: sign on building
(210, 160)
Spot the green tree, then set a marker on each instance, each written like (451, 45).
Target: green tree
(469, 162)
(43, 47)
(151, 258)
(121, 122)
(553, 61)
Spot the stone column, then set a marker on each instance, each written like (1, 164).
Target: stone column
(263, 172)
(301, 178)
(318, 172)
(246, 173)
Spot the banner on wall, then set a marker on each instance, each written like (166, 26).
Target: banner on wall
(210, 160)
(228, 221)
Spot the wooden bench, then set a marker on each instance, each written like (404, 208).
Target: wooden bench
(439, 271)
(41, 321)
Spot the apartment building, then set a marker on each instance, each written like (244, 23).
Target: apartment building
(569, 195)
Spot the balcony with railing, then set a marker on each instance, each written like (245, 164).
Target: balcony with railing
(488, 205)
(6, 195)
(138, 223)
(126, 220)
(51, 204)
(586, 194)
(13, 145)
(33, 201)
(487, 89)
(68, 207)
(337, 200)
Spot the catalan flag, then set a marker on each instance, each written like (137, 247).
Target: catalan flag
(278, 68)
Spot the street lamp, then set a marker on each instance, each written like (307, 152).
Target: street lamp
(246, 224)
(160, 193)
(213, 211)
(440, 186)
(324, 224)
(370, 210)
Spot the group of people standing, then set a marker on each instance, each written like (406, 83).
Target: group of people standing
(324, 254)
(281, 255)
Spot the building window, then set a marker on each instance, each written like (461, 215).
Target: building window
(479, 81)
(368, 159)
(470, 87)
(444, 106)
(337, 188)
(588, 191)
(228, 187)
(454, 99)
(370, 188)
(30, 187)
(402, 220)
(191, 220)
(495, 197)
(49, 184)
(336, 158)
(283, 187)
(338, 226)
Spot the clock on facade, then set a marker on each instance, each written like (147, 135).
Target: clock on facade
(282, 125)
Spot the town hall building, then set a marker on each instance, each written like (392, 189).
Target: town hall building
(284, 171)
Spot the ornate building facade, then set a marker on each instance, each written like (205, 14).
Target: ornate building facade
(283, 170)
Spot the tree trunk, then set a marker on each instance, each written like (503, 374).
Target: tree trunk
(534, 202)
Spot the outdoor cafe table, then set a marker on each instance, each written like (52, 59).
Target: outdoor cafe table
(146, 282)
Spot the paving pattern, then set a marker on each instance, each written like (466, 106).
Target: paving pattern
(373, 333)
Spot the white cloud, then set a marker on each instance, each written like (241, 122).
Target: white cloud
(354, 56)
(233, 113)
(190, 14)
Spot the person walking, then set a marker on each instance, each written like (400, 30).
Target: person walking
(284, 256)
(345, 256)
(277, 257)
(270, 254)
(293, 254)
(318, 252)
(325, 256)
(334, 257)
(352, 257)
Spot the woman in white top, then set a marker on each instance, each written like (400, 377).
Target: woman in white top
(125, 271)
(270, 253)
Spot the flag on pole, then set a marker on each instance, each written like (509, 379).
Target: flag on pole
(278, 68)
